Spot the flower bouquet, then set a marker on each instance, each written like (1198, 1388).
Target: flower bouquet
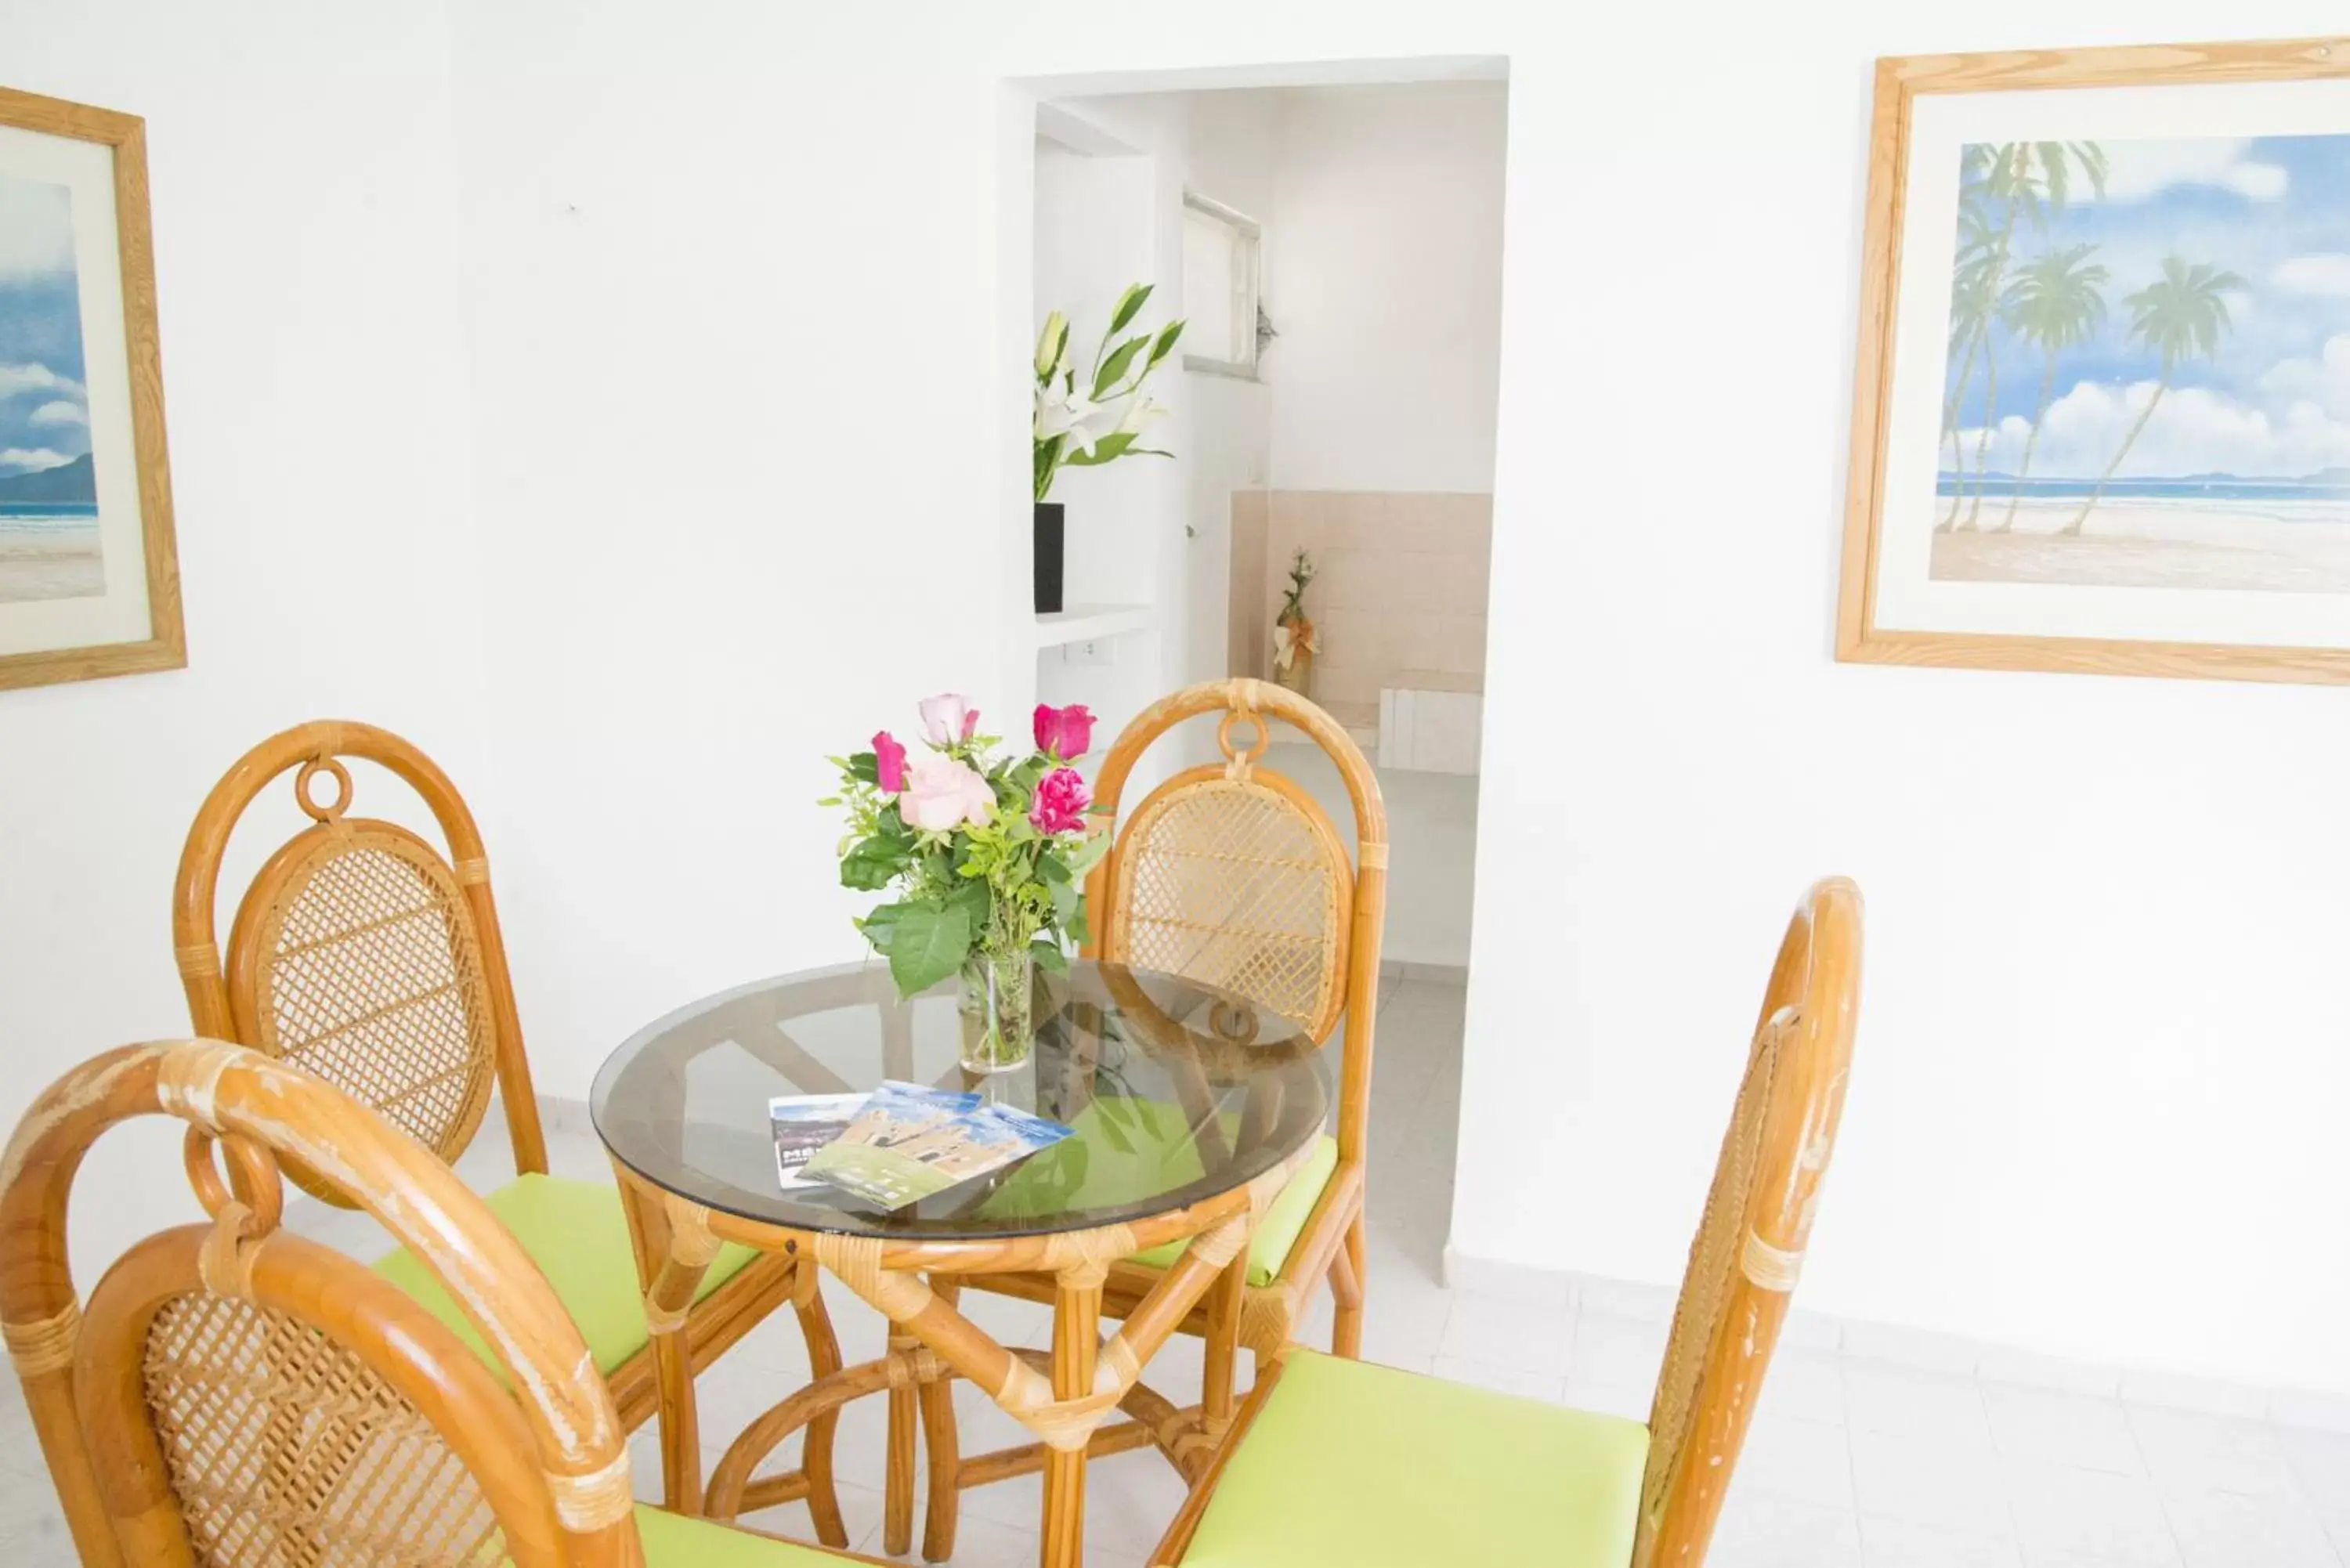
(987, 856)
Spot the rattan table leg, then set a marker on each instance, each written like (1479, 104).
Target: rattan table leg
(897, 1480)
(816, 1449)
(942, 1450)
(1076, 1346)
(1221, 1346)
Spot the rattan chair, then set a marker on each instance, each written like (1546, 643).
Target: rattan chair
(1337, 1461)
(237, 1396)
(1232, 874)
(370, 958)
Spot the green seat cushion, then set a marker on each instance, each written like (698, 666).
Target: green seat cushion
(1348, 1462)
(673, 1541)
(576, 1234)
(1126, 1149)
(1284, 1218)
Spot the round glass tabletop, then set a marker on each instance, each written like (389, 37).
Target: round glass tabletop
(1173, 1092)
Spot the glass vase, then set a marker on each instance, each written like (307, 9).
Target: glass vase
(999, 1011)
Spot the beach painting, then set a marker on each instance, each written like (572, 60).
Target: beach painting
(2104, 409)
(2147, 377)
(89, 561)
(49, 547)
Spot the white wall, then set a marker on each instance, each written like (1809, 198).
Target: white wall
(750, 430)
(1383, 280)
(317, 390)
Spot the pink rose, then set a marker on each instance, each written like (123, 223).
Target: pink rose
(948, 718)
(1061, 801)
(888, 763)
(1064, 732)
(942, 794)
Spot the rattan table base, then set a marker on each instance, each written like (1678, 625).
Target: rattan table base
(1067, 1397)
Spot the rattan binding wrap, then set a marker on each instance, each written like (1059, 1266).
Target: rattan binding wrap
(364, 967)
(286, 1451)
(1233, 883)
(1713, 1264)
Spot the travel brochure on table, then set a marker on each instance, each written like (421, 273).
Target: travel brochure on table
(902, 1142)
(804, 1124)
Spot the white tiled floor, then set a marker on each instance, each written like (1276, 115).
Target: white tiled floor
(1872, 1449)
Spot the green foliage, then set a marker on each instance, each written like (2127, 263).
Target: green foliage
(927, 944)
(1129, 305)
(1293, 602)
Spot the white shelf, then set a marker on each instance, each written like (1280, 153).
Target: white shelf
(1091, 623)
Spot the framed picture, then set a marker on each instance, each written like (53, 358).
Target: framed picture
(89, 581)
(2102, 415)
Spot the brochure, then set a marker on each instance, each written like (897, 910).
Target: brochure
(804, 1124)
(909, 1142)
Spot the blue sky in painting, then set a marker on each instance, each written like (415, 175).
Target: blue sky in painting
(43, 403)
(2274, 399)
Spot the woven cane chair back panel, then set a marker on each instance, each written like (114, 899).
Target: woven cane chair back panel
(355, 958)
(1238, 883)
(1713, 1267)
(285, 1449)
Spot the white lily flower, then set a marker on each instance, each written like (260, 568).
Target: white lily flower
(1139, 411)
(1070, 414)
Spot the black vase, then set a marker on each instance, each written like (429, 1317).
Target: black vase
(1048, 557)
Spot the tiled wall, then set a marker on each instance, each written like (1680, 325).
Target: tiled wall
(1399, 585)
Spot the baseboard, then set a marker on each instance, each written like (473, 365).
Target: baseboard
(1915, 1348)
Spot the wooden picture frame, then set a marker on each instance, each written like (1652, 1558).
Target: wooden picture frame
(50, 630)
(2058, 594)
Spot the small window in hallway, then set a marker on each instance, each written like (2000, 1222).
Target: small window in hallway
(1219, 286)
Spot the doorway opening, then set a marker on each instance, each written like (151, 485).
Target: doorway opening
(1333, 247)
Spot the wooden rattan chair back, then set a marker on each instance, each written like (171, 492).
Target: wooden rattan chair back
(1231, 875)
(240, 1398)
(1758, 1218)
(361, 953)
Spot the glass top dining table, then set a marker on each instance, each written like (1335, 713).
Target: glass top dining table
(1174, 1093)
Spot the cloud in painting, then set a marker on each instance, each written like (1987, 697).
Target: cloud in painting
(16, 378)
(2139, 171)
(36, 229)
(49, 416)
(23, 460)
(2327, 274)
(2194, 430)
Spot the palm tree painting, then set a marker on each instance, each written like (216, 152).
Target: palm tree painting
(2180, 315)
(2146, 366)
(2054, 304)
